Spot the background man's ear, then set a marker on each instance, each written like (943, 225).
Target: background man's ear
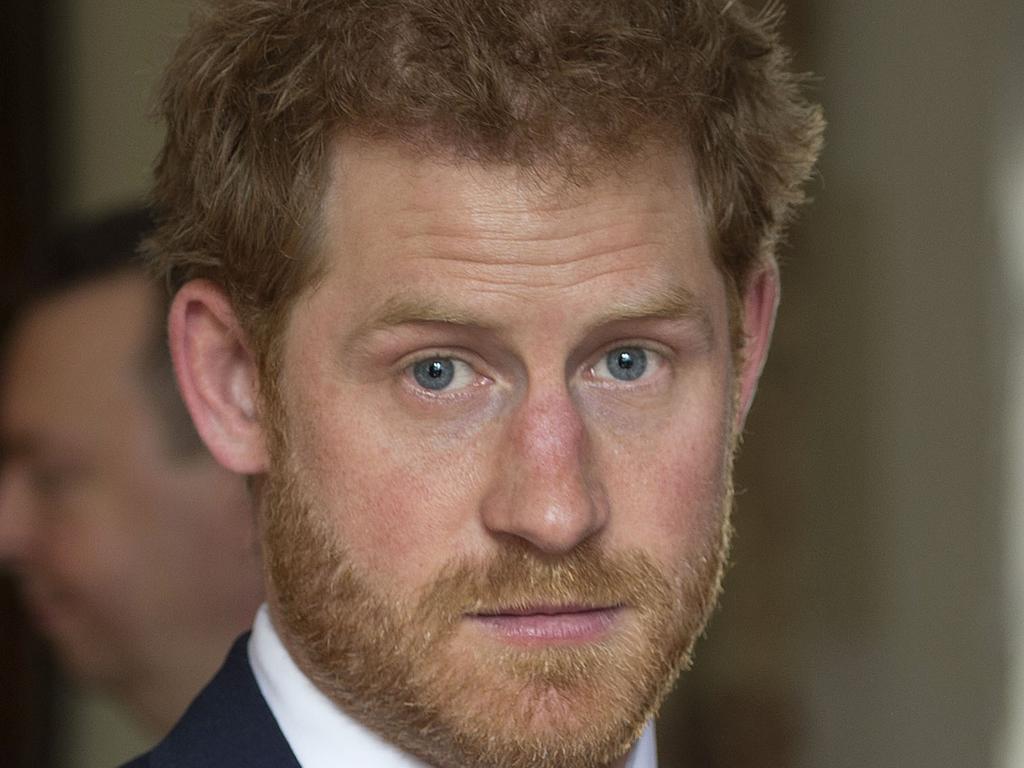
(760, 302)
(217, 375)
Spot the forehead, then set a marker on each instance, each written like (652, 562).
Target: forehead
(72, 360)
(425, 180)
(385, 203)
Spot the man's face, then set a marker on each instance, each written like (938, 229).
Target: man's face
(497, 509)
(119, 546)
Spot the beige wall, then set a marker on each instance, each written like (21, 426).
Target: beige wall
(1010, 196)
(112, 53)
(892, 367)
(865, 608)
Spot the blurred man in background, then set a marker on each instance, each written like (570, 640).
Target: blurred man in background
(135, 551)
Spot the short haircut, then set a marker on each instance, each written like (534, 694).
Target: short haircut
(259, 90)
(101, 248)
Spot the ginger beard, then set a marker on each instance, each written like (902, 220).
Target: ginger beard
(406, 667)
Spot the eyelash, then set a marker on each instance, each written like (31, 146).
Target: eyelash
(655, 359)
(409, 377)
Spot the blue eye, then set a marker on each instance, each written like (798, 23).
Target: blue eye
(434, 373)
(626, 363)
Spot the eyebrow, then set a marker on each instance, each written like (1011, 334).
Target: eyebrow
(405, 310)
(675, 304)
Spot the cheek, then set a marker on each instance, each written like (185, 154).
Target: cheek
(103, 539)
(79, 550)
(399, 497)
(110, 542)
(666, 489)
(89, 574)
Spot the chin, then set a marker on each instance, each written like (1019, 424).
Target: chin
(572, 707)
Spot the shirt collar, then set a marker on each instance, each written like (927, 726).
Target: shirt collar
(320, 734)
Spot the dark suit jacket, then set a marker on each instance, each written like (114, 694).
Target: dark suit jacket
(228, 725)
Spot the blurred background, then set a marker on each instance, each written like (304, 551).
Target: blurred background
(873, 611)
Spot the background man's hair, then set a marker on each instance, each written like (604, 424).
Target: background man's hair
(102, 248)
(259, 90)
(83, 251)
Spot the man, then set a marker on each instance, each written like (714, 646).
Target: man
(136, 552)
(476, 294)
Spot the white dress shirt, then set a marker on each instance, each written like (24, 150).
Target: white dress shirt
(321, 735)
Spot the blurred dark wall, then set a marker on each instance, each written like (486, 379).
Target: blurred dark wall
(25, 171)
(25, 676)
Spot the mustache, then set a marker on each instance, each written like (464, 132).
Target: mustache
(518, 579)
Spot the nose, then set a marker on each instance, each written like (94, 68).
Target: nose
(15, 515)
(546, 491)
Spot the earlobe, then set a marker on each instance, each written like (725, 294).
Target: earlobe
(218, 376)
(760, 301)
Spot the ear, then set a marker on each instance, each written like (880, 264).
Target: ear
(760, 301)
(218, 377)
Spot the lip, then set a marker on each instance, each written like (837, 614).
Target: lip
(545, 625)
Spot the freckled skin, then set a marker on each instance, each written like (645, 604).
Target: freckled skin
(537, 447)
